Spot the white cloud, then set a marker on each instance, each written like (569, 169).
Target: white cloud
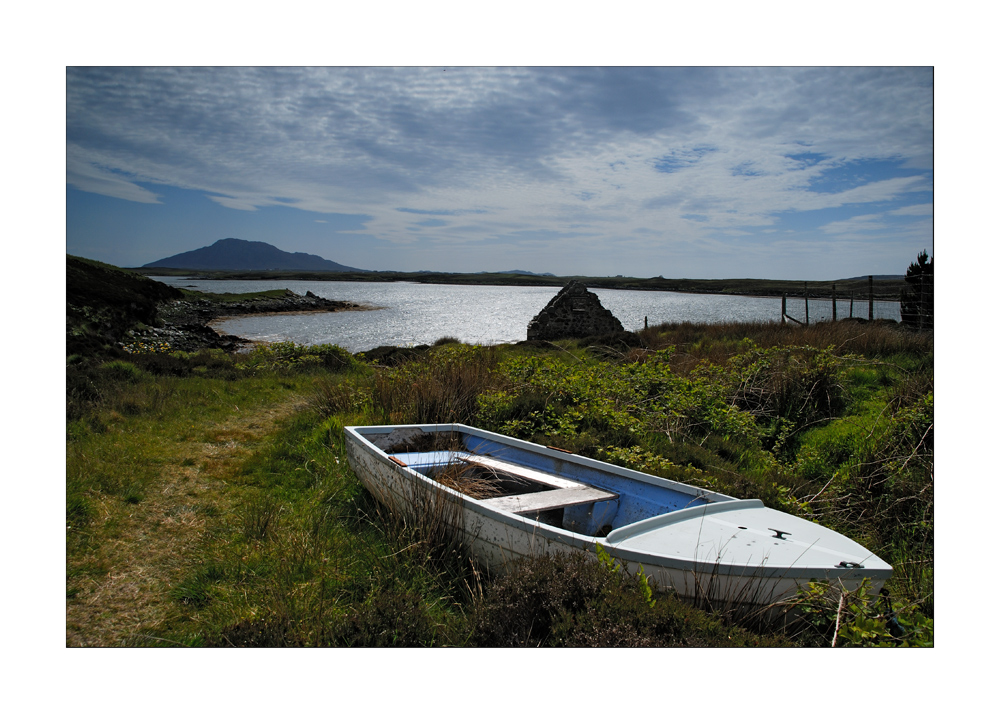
(675, 155)
(873, 192)
(920, 209)
(88, 176)
(238, 204)
(870, 222)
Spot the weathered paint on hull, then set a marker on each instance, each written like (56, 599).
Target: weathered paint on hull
(496, 539)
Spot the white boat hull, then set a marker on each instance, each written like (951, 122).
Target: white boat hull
(694, 551)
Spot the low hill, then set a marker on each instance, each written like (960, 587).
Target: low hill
(514, 272)
(237, 254)
(103, 302)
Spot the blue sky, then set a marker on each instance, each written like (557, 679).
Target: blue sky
(806, 172)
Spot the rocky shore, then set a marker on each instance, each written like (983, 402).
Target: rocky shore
(185, 324)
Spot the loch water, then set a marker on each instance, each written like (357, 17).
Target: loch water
(417, 313)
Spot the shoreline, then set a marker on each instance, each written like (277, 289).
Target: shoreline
(273, 313)
(191, 325)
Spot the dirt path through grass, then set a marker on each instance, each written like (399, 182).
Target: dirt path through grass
(121, 586)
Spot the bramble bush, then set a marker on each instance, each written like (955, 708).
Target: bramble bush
(624, 401)
(828, 617)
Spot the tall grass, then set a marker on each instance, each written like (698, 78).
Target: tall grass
(442, 388)
(716, 343)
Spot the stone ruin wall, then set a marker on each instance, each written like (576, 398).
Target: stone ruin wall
(573, 312)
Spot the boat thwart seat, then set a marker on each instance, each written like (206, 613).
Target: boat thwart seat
(548, 500)
(566, 492)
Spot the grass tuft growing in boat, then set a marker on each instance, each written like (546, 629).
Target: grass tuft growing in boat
(469, 480)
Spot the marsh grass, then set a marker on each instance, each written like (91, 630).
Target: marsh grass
(441, 389)
(716, 343)
(196, 589)
(259, 516)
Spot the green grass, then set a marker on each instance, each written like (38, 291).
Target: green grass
(216, 507)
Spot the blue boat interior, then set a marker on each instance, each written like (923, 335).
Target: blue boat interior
(577, 497)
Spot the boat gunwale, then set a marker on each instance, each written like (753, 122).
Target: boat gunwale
(557, 454)
(617, 547)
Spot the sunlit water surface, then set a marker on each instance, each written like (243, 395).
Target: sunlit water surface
(414, 313)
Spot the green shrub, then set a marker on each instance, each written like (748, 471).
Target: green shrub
(121, 371)
(578, 601)
(288, 355)
(799, 384)
(173, 364)
(390, 618)
(829, 617)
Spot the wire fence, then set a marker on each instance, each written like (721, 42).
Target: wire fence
(817, 302)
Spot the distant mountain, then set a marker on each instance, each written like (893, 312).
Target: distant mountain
(236, 254)
(513, 272)
(528, 272)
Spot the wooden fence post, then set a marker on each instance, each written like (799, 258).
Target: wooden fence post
(805, 287)
(871, 297)
(922, 306)
(834, 287)
(852, 304)
(784, 301)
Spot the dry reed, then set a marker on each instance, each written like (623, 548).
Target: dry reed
(468, 480)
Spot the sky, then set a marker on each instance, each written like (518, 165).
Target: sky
(813, 173)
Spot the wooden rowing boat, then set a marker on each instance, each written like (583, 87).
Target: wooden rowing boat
(509, 499)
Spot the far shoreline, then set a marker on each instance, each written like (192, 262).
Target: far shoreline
(217, 322)
(883, 289)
